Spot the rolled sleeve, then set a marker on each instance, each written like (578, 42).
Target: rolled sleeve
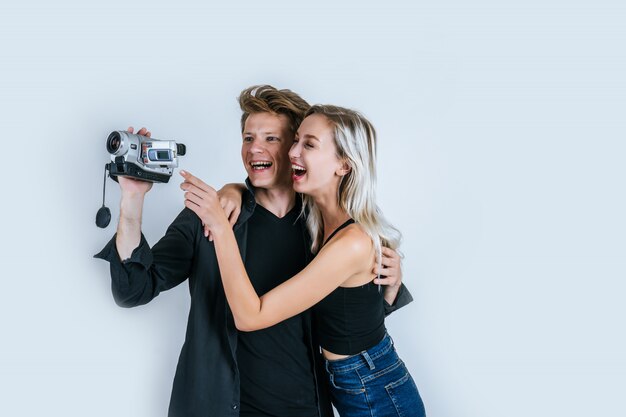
(149, 271)
(403, 298)
(140, 255)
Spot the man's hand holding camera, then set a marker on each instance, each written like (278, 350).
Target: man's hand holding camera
(131, 187)
(131, 207)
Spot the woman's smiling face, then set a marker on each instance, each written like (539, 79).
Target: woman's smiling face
(316, 167)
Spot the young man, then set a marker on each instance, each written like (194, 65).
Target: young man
(222, 372)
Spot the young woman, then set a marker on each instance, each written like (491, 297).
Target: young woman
(333, 161)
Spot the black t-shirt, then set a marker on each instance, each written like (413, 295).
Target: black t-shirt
(275, 363)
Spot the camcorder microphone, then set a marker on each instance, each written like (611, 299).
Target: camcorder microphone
(138, 157)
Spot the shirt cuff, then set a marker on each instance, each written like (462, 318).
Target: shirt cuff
(403, 298)
(140, 255)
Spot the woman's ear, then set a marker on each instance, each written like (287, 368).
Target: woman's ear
(344, 169)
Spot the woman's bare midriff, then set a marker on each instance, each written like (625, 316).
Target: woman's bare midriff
(333, 356)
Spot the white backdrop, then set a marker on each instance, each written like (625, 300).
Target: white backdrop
(502, 148)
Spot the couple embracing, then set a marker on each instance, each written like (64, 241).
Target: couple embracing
(290, 276)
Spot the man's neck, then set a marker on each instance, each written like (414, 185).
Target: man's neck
(279, 201)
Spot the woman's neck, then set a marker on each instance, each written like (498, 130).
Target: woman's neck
(332, 215)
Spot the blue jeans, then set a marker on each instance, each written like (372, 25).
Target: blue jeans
(374, 383)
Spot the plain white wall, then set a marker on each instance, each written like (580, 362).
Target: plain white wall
(502, 150)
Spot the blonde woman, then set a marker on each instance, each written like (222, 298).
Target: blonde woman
(333, 162)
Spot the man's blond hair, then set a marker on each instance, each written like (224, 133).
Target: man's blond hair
(267, 99)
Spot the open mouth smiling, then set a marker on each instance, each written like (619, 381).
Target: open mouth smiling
(298, 171)
(260, 165)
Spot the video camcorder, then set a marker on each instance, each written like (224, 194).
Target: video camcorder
(138, 157)
(141, 157)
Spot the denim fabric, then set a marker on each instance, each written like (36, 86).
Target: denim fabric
(374, 383)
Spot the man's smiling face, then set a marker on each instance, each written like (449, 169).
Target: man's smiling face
(265, 149)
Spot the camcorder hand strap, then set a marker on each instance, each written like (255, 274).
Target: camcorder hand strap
(103, 216)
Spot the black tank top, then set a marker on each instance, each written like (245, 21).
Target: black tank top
(350, 320)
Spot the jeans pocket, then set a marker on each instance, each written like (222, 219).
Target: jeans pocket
(348, 382)
(406, 397)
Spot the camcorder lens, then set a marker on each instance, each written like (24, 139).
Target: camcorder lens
(113, 142)
(181, 149)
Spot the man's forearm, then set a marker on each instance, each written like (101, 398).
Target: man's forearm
(129, 226)
(390, 294)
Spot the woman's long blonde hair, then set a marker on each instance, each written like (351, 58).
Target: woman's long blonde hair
(355, 139)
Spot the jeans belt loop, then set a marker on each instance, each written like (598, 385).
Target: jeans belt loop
(369, 360)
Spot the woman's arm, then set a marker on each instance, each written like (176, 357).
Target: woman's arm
(334, 264)
(230, 196)
(339, 260)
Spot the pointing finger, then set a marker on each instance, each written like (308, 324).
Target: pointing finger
(195, 181)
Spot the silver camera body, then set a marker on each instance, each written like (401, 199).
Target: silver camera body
(141, 157)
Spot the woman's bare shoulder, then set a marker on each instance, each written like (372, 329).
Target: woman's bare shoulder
(353, 240)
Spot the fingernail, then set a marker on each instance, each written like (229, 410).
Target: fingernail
(183, 172)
